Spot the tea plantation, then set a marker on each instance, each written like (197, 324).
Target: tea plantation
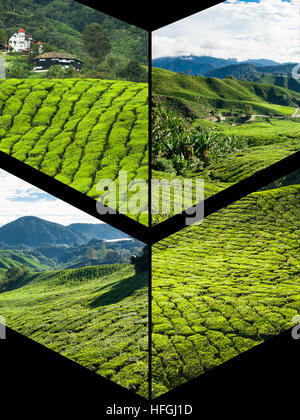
(96, 316)
(224, 286)
(243, 127)
(77, 131)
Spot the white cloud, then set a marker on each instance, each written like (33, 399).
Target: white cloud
(19, 198)
(266, 29)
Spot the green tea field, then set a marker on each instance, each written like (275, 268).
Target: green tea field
(225, 285)
(96, 316)
(77, 131)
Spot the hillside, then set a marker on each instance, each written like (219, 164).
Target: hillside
(196, 96)
(225, 286)
(273, 75)
(77, 131)
(33, 261)
(97, 231)
(34, 231)
(247, 71)
(60, 23)
(95, 316)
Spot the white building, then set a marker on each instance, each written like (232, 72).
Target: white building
(20, 41)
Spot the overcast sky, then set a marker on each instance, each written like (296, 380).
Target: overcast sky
(235, 29)
(18, 198)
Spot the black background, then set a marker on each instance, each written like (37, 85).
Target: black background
(39, 383)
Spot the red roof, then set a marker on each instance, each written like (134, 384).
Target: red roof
(40, 43)
(21, 30)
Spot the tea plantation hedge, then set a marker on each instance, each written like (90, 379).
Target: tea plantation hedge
(77, 131)
(224, 286)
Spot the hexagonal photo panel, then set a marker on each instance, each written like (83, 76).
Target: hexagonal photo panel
(74, 98)
(225, 98)
(74, 284)
(226, 285)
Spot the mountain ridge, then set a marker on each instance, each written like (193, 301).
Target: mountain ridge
(199, 65)
(34, 231)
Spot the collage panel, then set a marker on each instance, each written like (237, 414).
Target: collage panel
(228, 284)
(74, 99)
(74, 284)
(225, 96)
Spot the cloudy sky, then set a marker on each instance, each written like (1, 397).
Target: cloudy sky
(235, 29)
(18, 198)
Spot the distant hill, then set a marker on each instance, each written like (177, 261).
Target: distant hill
(248, 71)
(34, 261)
(200, 65)
(97, 231)
(190, 64)
(197, 96)
(34, 231)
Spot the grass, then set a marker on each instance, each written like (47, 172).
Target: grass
(224, 286)
(95, 316)
(77, 131)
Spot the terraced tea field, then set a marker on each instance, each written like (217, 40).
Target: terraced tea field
(224, 286)
(96, 316)
(77, 131)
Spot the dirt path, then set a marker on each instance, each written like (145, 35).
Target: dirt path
(296, 113)
(2, 67)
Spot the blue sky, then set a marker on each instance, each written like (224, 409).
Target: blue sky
(235, 29)
(18, 198)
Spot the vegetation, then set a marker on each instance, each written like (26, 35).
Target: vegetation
(224, 286)
(77, 131)
(140, 261)
(95, 316)
(61, 23)
(96, 42)
(221, 131)
(184, 149)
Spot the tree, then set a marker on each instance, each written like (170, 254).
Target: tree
(133, 72)
(3, 36)
(95, 42)
(91, 254)
(34, 52)
(140, 261)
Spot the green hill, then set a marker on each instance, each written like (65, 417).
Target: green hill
(77, 131)
(96, 316)
(224, 286)
(197, 96)
(34, 261)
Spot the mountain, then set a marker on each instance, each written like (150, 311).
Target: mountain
(262, 62)
(190, 64)
(199, 65)
(248, 71)
(97, 231)
(34, 231)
